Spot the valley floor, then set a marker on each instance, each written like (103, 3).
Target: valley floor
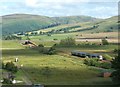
(58, 69)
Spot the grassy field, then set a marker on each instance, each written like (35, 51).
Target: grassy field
(62, 67)
(62, 70)
(112, 37)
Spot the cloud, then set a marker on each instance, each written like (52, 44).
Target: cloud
(32, 3)
(51, 3)
(60, 7)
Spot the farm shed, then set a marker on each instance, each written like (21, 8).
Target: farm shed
(29, 43)
(84, 55)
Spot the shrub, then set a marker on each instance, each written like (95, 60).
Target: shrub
(55, 39)
(6, 81)
(105, 42)
(3, 65)
(41, 48)
(91, 62)
(68, 42)
(116, 66)
(10, 66)
(96, 63)
(40, 45)
(49, 51)
(44, 50)
(116, 50)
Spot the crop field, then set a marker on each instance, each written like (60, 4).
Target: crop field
(112, 37)
(62, 68)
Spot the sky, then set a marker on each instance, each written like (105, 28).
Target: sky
(55, 8)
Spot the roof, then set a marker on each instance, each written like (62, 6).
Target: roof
(94, 54)
(86, 53)
(79, 52)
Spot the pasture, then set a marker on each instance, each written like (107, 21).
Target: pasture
(61, 68)
(112, 37)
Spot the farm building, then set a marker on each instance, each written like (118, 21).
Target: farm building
(84, 55)
(29, 43)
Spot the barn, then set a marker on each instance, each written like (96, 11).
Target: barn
(29, 43)
(85, 55)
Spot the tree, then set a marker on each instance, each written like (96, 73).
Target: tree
(10, 66)
(44, 50)
(116, 66)
(6, 81)
(68, 42)
(105, 42)
(3, 65)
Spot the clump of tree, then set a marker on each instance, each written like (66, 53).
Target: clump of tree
(105, 42)
(91, 62)
(6, 81)
(11, 37)
(10, 66)
(116, 51)
(116, 66)
(45, 50)
(67, 42)
(95, 62)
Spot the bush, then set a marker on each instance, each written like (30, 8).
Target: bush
(105, 42)
(41, 48)
(68, 42)
(116, 66)
(10, 66)
(116, 50)
(96, 63)
(3, 65)
(91, 62)
(6, 81)
(55, 39)
(49, 51)
(116, 77)
(40, 45)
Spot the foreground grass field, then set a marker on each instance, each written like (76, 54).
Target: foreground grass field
(61, 68)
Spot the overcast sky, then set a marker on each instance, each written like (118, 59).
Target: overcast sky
(52, 8)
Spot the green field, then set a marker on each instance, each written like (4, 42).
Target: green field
(62, 67)
(112, 37)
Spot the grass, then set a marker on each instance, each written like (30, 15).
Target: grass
(62, 69)
(112, 37)
(11, 44)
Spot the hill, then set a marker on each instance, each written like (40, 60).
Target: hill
(75, 19)
(23, 22)
(106, 25)
(15, 23)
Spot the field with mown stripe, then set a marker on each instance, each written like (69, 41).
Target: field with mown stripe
(62, 68)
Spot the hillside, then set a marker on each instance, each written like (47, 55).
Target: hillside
(15, 23)
(106, 25)
(23, 22)
(75, 19)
